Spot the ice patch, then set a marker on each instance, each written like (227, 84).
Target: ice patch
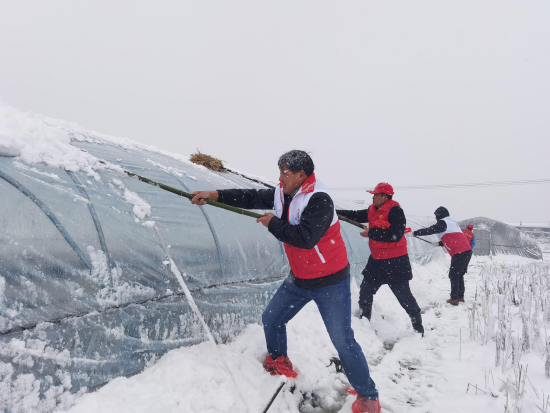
(36, 171)
(173, 171)
(113, 291)
(141, 208)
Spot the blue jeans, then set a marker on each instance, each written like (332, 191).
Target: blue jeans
(334, 303)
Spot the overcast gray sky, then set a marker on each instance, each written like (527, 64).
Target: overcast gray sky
(411, 93)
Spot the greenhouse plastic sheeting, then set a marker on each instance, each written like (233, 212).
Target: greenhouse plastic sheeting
(86, 289)
(494, 237)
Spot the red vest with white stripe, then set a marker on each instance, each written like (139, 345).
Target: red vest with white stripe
(384, 250)
(329, 255)
(469, 234)
(453, 239)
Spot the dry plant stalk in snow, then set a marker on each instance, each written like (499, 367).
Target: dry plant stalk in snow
(214, 164)
(513, 308)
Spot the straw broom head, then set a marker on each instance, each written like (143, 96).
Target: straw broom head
(214, 164)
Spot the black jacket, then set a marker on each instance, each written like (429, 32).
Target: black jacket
(314, 223)
(439, 226)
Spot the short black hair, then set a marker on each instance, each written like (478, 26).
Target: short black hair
(388, 196)
(297, 161)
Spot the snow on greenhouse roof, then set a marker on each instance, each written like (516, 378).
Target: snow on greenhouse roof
(36, 138)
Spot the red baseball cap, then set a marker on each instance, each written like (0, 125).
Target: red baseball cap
(470, 226)
(382, 188)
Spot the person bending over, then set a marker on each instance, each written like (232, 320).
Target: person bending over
(458, 247)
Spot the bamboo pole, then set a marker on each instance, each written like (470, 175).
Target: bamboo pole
(422, 239)
(218, 204)
(350, 221)
(191, 196)
(340, 217)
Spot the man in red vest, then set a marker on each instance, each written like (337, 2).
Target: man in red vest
(458, 247)
(305, 221)
(469, 233)
(389, 261)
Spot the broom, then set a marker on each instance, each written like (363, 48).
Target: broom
(215, 203)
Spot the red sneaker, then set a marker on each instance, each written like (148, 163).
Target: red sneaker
(280, 366)
(364, 405)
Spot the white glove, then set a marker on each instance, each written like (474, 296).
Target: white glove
(435, 244)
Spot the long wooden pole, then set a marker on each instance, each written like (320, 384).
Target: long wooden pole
(215, 203)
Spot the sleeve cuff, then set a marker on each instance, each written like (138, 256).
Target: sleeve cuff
(220, 196)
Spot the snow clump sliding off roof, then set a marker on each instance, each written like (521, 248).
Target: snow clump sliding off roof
(37, 138)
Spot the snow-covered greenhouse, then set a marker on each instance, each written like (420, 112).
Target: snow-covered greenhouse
(495, 237)
(87, 288)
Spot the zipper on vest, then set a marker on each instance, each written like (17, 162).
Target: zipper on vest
(320, 255)
(290, 203)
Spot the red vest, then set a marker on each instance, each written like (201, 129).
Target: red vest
(469, 234)
(453, 239)
(329, 255)
(384, 250)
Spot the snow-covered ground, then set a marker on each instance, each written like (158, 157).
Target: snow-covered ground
(446, 371)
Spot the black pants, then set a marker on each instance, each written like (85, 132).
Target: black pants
(459, 266)
(400, 289)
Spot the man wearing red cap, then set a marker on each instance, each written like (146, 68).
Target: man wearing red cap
(468, 232)
(389, 261)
